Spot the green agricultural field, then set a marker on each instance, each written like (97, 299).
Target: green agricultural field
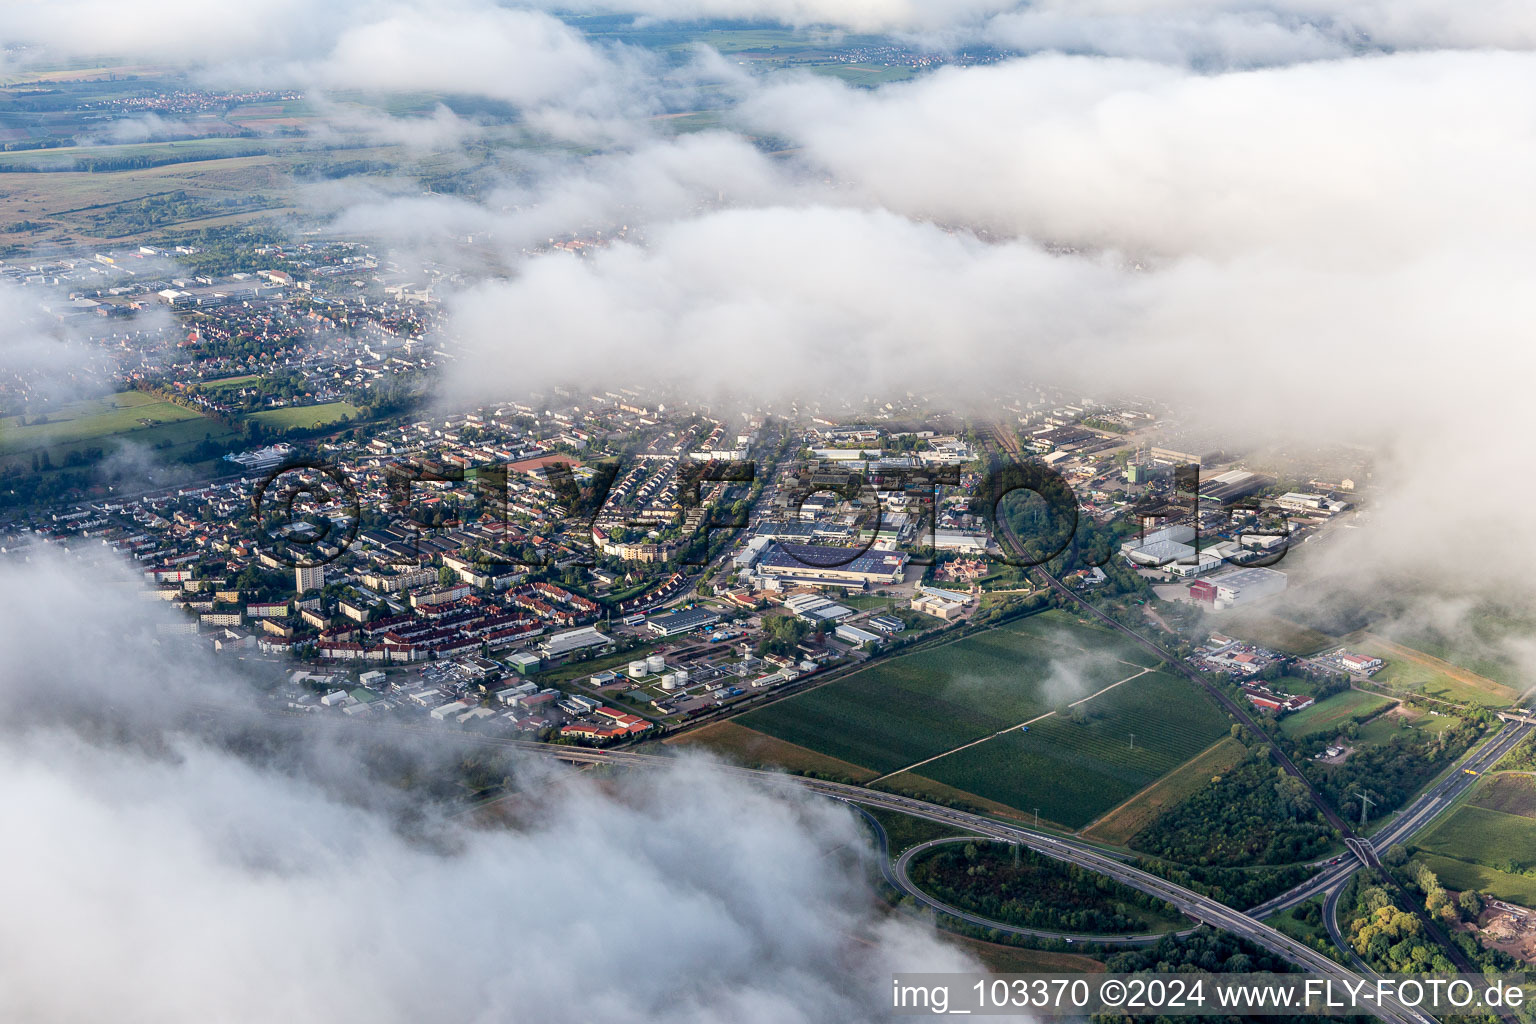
(1459, 874)
(1074, 771)
(305, 415)
(1483, 647)
(905, 709)
(150, 153)
(1333, 714)
(1485, 838)
(1512, 794)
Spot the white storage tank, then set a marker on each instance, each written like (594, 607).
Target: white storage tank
(636, 669)
(655, 663)
(681, 677)
(669, 681)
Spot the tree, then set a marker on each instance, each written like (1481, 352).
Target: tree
(446, 576)
(1471, 903)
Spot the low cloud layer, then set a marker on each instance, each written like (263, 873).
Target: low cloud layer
(195, 884)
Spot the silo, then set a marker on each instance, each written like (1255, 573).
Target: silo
(669, 681)
(655, 663)
(636, 669)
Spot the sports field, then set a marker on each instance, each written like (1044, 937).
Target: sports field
(1074, 770)
(1332, 714)
(900, 711)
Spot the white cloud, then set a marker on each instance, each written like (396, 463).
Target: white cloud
(196, 884)
(1348, 160)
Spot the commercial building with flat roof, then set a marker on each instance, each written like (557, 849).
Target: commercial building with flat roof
(856, 636)
(674, 623)
(828, 566)
(557, 644)
(1238, 586)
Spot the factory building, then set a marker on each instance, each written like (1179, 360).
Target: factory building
(831, 567)
(1237, 586)
(674, 623)
(557, 644)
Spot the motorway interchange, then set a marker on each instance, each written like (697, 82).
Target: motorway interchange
(1201, 909)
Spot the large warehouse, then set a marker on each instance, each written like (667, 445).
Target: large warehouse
(674, 623)
(1239, 586)
(831, 567)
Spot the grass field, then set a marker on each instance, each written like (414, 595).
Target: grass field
(230, 383)
(305, 415)
(1408, 670)
(899, 711)
(108, 423)
(1017, 960)
(1276, 633)
(1074, 771)
(1459, 874)
(1475, 846)
(1382, 728)
(1511, 794)
(749, 747)
(89, 419)
(1119, 825)
(1482, 646)
(902, 831)
(1332, 714)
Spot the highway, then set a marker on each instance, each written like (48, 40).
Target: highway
(897, 873)
(1200, 908)
(1408, 821)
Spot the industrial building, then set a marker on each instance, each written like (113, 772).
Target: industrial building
(1230, 486)
(557, 644)
(1298, 501)
(856, 636)
(815, 608)
(939, 604)
(831, 567)
(674, 623)
(1169, 549)
(1237, 586)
